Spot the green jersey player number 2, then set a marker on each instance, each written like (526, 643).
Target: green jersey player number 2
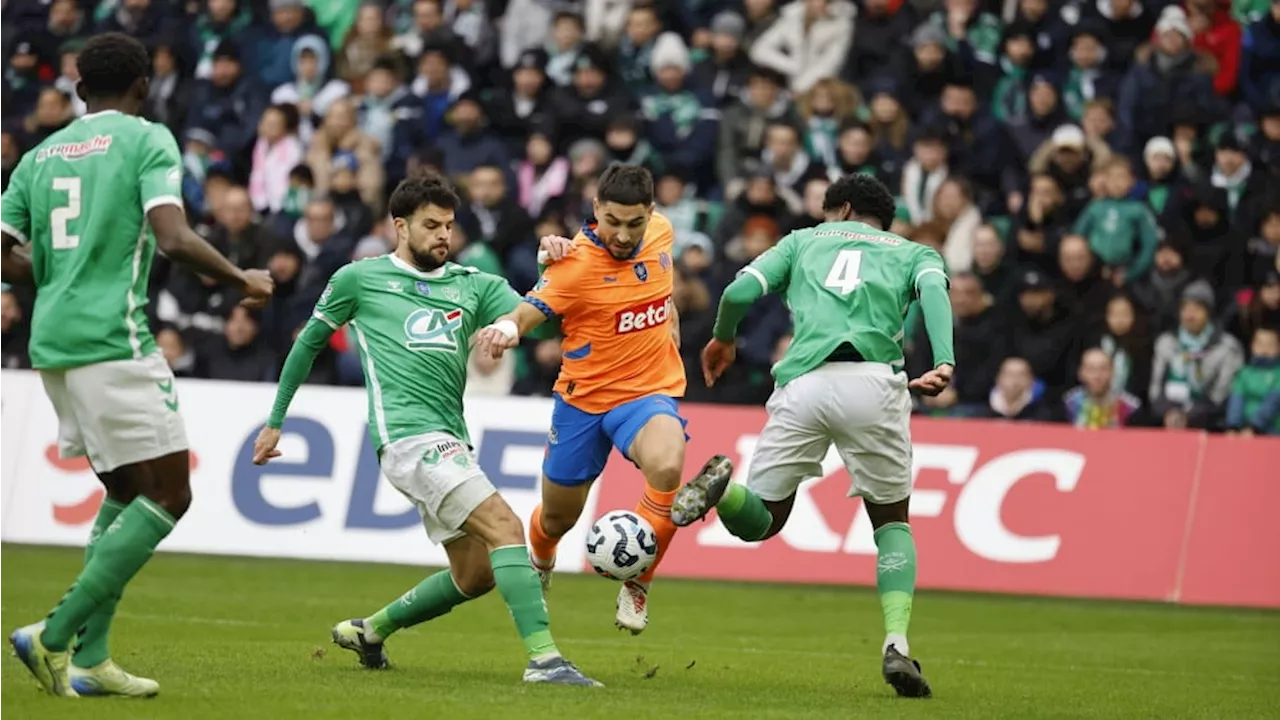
(848, 284)
(91, 204)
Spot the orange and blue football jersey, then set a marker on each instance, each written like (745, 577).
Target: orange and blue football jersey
(615, 318)
(621, 366)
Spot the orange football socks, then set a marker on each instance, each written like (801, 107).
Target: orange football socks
(542, 548)
(655, 506)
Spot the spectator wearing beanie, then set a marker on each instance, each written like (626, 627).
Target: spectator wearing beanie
(1044, 114)
(680, 121)
(921, 74)
(1165, 75)
(724, 71)
(1194, 365)
(1164, 183)
(1126, 24)
(470, 142)
(809, 41)
(1215, 250)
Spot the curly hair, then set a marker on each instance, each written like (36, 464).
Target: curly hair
(111, 63)
(426, 188)
(865, 195)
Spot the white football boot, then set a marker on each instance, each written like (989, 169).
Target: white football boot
(108, 678)
(633, 607)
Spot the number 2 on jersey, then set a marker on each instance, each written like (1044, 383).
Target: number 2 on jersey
(58, 219)
(843, 276)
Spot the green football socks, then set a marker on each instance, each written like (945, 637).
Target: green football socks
(522, 592)
(118, 555)
(91, 649)
(429, 599)
(744, 514)
(896, 576)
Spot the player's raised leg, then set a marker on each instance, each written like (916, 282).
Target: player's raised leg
(790, 450)
(577, 450)
(469, 576)
(651, 433)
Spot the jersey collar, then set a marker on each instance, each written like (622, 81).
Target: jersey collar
(426, 274)
(100, 113)
(589, 230)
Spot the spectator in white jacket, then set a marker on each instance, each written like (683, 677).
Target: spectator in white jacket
(809, 41)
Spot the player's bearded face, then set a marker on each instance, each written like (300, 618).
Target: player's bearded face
(621, 227)
(427, 234)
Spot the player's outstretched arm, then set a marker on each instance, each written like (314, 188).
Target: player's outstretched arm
(297, 366)
(721, 351)
(178, 242)
(15, 262)
(506, 331)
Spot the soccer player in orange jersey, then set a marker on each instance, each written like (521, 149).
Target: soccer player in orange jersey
(621, 372)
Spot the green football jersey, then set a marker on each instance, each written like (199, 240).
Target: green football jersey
(844, 282)
(79, 200)
(412, 329)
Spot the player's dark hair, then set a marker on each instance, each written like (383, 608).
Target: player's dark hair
(111, 63)
(426, 188)
(865, 195)
(625, 185)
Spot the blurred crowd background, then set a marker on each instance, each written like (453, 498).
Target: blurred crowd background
(1102, 177)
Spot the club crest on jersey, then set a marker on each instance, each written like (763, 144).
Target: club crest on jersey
(451, 294)
(432, 329)
(422, 287)
(642, 271)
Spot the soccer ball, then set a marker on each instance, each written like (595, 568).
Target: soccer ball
(621, 545)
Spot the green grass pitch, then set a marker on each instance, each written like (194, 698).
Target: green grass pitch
(242, 639)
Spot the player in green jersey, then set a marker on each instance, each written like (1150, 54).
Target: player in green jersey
(81, 220)
(848, 283)
(413, 315)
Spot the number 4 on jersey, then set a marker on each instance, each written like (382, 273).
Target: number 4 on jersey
(843, 276)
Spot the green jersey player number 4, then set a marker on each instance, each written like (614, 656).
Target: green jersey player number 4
(848, 284)
(82, 217)
(413, 314)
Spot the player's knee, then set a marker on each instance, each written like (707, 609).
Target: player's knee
(556, 521)
(495, 524)
(474, 580)
(174, 501)
(663, 473)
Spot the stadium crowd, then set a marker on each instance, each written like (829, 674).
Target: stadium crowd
(1101, 177)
